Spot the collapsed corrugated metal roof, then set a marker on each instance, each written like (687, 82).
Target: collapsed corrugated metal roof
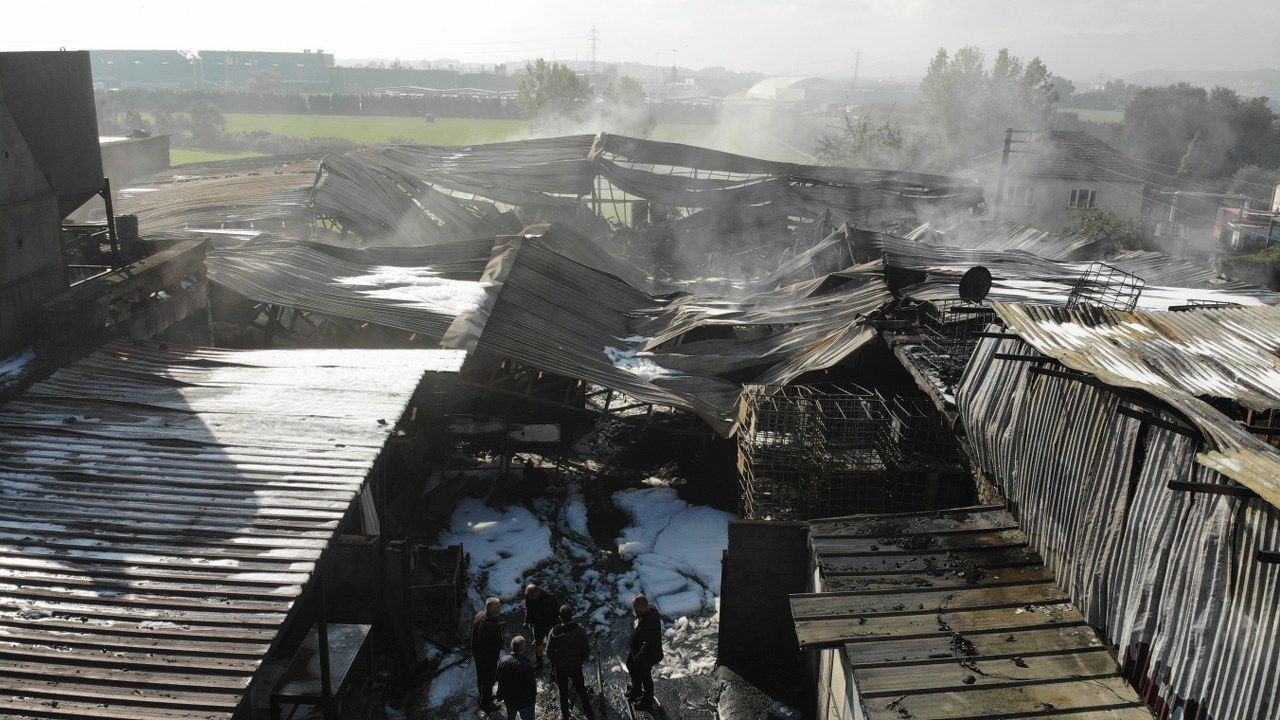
(162, 508)
(1181, 358)
(951, 615)
(1023, 277)
(554, 313)
(1158, 550)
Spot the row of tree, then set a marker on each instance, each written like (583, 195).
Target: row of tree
(1205, 139)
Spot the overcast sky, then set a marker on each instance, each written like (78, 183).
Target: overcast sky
(1076, 38)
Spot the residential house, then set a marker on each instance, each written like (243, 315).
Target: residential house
(1052, 175)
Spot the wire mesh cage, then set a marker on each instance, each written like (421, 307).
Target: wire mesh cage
(794, 440)
(917, 437)
(1106, 286)
(950, 331)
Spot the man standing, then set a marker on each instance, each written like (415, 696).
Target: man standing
(645, 652)
(540, 615)
(517, 688)
(486, 645)
(567, 649)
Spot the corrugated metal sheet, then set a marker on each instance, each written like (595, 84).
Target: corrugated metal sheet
(1022, 277)
(1180, 357)
(162, 508)
(558, 315)
(1170, 577)
(1023, 238)
(950, 615)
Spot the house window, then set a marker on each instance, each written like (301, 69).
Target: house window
(1082, 199)
(1023, 195)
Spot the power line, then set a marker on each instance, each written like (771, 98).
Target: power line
(1171, 167)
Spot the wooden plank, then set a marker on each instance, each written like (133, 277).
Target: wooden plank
(88, 638)
(213, 616)
(125, 571)
(117, 660)
(229, 551)
(133, 598)
(978, 673)
(890, 584)
(34, 707)
(90, 534)
(109, 556)
(979, 518)
(817, 606)
(939, 563)
(68, 578)
(124, 521)
(149, 696)
(829, 633)
(916, 544)
(190, 631)
(1045, 699)
(151, 678)
(903, 651)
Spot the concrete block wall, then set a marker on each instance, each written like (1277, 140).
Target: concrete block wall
(764, 564)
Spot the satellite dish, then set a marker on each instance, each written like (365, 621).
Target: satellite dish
(975, 284)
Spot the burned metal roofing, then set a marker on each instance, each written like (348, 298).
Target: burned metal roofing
(1159, 551)
(162, 508)
(1182, 358)
(951, 615)
(1023, 277)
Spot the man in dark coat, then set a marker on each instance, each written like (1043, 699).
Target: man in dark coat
(541, 613)
(517, 687)
(486, 645)
(567, 649)
(645, 651)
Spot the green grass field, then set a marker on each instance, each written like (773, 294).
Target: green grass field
(375, 130)
(378, 130)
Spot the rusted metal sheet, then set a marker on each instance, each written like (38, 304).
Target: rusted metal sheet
(1170, 577)
(163, 507)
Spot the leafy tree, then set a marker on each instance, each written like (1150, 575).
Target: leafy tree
(208, 127)
(863, 143)
(1258, 183)
(551, 91)
(1064, 88)
(1105, 226)
(626, 91)
(967, 107)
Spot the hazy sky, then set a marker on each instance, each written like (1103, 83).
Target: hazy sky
(1076, 38)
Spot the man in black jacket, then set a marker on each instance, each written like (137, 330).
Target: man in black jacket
(541, 612)
(486, 645)
(645, 652)
(567, 648)
(517, 687)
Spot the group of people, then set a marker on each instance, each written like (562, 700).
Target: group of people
(565, 645)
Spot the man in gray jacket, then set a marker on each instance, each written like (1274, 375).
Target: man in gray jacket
(567, 649)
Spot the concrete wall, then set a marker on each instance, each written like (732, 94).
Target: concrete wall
(764, 564)
(1049, 209)
(30, 256)
(132, 158)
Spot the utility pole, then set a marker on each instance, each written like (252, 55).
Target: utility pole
(1027, 137)
(595, 43)
(1004, 164)
(857, 67)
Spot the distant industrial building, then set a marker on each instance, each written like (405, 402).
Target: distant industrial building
(295, 72)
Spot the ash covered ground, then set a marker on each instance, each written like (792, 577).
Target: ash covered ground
(594, 537)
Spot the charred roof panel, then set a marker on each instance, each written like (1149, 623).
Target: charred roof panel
(162, 508)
